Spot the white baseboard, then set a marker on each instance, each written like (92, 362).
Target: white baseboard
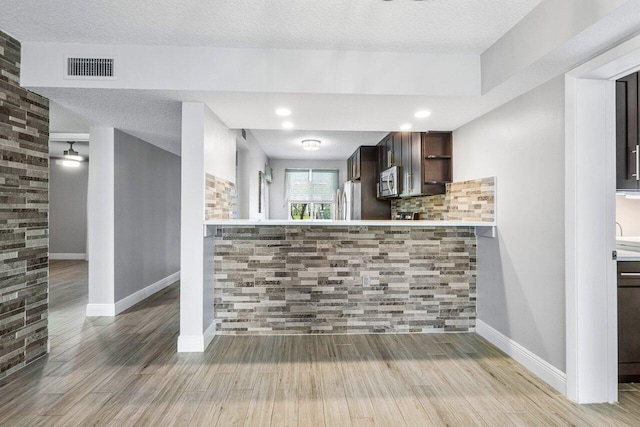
(100, 310)
(81, 256)
(145, 293)
(196, 343)
(110, 310)
(539, 367)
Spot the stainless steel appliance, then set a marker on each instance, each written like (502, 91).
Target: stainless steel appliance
(351, 203)
(390, 183)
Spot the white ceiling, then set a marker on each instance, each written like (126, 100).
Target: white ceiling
(434, 26)
(335, 145)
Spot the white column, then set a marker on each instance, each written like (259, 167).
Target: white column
(101, 223)
(591, 292)
(196, 331)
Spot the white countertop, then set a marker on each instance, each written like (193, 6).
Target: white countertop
(628, 248)
(379, 223)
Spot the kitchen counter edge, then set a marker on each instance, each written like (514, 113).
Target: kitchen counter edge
(373, 223)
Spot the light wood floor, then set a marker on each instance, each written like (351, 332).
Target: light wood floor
(125, 371)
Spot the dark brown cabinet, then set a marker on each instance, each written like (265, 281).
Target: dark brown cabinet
(424, 160)
(627, 136)
(628, 321)
(437, 170)
(353, 166)
(363, 166)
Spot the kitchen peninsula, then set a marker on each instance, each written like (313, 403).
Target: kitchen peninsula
(301, 277)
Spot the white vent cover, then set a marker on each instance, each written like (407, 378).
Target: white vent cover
(90, 68)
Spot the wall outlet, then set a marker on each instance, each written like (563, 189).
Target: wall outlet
(366, 281)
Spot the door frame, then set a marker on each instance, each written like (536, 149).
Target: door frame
(590, 271)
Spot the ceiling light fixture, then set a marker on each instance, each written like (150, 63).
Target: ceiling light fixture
(283, 112)
(70, 163)
(406, 126)
(311, 144)
(72, 154)
(422, 114)
(287, 125)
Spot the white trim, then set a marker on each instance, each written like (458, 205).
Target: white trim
(100, 310)
(145, 293)
(61, 255)
(111, 310)
(539, 367)
(55, 136)
(196, 343)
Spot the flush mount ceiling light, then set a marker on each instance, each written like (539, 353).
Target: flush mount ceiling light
(283, 112)
(311, 144)
(287, 125)
(422, 114)
(406, 126)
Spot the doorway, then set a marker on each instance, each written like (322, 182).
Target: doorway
(590, 223)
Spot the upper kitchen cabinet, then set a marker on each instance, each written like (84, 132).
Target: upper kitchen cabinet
(354, 166)
(627, 142)
(424, 161)
(437, 150)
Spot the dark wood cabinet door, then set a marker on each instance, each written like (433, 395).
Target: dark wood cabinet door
(357, 163)
(396, 148)
(627, 120)
(416, 163)
(350, 168)
(406, 163)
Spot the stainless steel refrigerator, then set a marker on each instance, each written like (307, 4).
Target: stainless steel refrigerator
(351, 201)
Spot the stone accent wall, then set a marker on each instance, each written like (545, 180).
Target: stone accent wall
(472, 200)
(313, 279)
(220, 198)
(24, 207)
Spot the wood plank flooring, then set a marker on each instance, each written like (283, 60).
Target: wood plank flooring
(125, 371)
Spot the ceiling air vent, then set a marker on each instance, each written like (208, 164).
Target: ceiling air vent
(90, 68)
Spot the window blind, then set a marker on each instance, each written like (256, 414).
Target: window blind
(311, 185)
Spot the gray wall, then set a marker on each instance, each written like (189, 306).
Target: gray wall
(277, 210)
(147, 214)
(68, 208)
(521, 286)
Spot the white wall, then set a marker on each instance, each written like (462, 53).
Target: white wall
(68, 209)
(526, 43)
(251, 160)
(521, 274)
(628, 215)
(259, 70)
(277, 190)
(147, 214)
(219, 148)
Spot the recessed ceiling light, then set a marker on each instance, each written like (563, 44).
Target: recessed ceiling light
(287, 125)
(283, 112)
(422, 114)
(406, 126)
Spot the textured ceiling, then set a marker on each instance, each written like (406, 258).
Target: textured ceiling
(287, 144)
(434, 26)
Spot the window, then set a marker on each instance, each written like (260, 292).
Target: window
(311, 193)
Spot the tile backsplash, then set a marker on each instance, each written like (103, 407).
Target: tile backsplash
(24, 207)
(220, 198)
(344, 279)
(472, 200)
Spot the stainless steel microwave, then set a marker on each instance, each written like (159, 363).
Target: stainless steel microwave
(389, 182)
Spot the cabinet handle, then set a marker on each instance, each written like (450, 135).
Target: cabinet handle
(637, 152)
(630, 274)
